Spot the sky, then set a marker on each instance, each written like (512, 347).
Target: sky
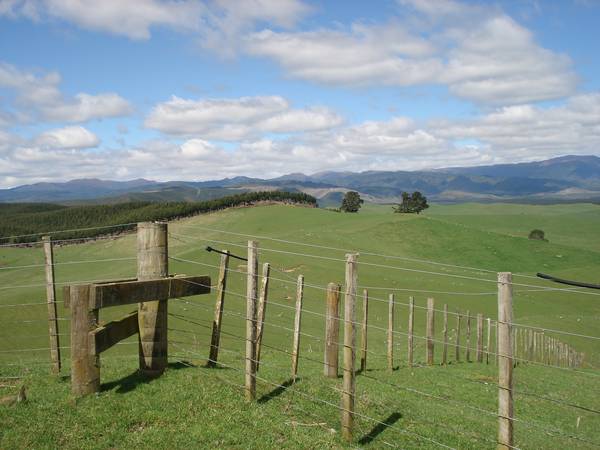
(202, 90)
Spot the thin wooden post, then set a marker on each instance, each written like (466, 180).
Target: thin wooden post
(51, 301)
(152, 263)
(251, 297)
(445, 331)
(479, 338)
(457, 344)
(505, 363)
(468, 351)
(430, 330)
(489, 340)
(85, 367)
(262, 309)
(219, 304)
(297, 324)
(348, 391)
(363, 340)
(411, 324)
(332, 330)
(390, 333)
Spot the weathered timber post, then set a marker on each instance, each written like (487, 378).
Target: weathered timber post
(219, 305)
(153, 263)
(445, 332)
(457, 344)
(251, 294)
(297, 325)
(505, 362)
(349, 382)
(262, 309)
(489, 340)
(430, 330)
(390, 333)
(479, 337)
(51, 301)
(411, 324)
(363, 336)
(468, 350)
(85, 367)
(332, 330)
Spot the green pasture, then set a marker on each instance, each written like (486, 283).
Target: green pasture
(198, 407)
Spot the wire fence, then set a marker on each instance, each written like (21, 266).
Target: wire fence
(449, 405)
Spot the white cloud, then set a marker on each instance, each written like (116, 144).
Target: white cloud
(480, 53)
(129, 18)
(75, 137)
(40, 94)
(237, 119)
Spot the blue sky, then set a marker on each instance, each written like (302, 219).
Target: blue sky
(202, 90)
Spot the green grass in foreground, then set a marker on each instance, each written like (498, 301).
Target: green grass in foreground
(196, 407)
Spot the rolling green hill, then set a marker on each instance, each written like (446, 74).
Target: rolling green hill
(197, 407)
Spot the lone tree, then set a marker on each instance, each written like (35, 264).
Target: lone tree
(412, 203)
(351, 202)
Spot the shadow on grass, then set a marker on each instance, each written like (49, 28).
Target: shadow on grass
(277, 391)
(133, 380)
(380, 428)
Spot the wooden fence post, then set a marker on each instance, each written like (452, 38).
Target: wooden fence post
(152, 263)
(390, 333)
(457, 345)
(262, 309)
(85, 367)
(219, 304)
(479, 338)
(505, 362)
(297, 325)
(349, 385)
(251, 297)
(411, 324)
(363, 340)
(445, 331)
(489, 340)
(51, 301)
(332, 330)
(430, 330)
(468, 350)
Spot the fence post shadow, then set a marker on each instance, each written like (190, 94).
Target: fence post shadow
(278, 390)
(380, 428)
(129, 382)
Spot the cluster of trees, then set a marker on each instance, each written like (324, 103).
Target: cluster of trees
(27, 221)
(412, 203)
(351, 202)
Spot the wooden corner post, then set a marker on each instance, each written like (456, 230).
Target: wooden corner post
(219, 305)
(153, 263)
(251, 294)
(332, 330)
(349, 382)
(479, 352)
(85, 366)
(51, 300)
(505, 362)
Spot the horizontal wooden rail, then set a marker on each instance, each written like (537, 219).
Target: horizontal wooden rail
(104, 337)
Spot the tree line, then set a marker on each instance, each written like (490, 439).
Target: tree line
(27, 222)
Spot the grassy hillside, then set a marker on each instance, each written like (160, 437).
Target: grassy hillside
(198, 407)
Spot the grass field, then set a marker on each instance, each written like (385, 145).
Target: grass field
(198, 407)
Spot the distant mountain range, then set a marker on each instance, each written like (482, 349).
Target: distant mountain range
(567, 178)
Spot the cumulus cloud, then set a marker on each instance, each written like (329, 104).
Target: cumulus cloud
(75, 137)
(41, 95)
(131, 19)
(480, 53)
(237, 119)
